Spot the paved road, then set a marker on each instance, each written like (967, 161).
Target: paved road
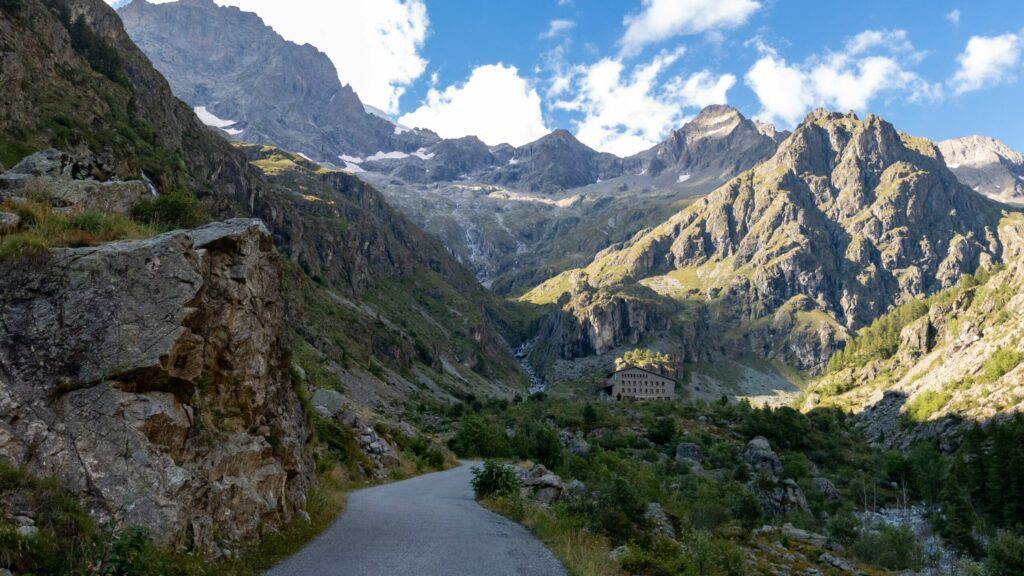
(426, 526)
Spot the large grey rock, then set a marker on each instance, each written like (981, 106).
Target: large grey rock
(9, 222)
(762, 458)
(658, 520)
(689, 451)
(327, 403)
(150, 378)
(71, 183)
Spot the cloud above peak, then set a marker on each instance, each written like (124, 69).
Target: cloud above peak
(495, 104)
(872, 64)
(625, 110)
(987, 61)
(660, 20)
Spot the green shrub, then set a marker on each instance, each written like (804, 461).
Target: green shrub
(174, 210)
(478, 436)
(495, 479)
(999, 364)
(891, 547)
(1005, 555)
(663, 431)
(546, 447)
(12, 6)
(923, 405)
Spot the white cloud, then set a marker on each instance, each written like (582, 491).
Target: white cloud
(659, 20)
(374, 44)
(987, 61)
(954, 16)
(626, 111)
(557, 27)
(872, 64)
(495, 104)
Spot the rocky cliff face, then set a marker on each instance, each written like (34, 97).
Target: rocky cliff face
(986, 165)
(848, 218)
(959, 362)
(261, 87)
(151, 378)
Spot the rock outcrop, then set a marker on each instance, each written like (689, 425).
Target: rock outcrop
(151, 378)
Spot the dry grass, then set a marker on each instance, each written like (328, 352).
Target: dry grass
(581, 552)
(43, 227)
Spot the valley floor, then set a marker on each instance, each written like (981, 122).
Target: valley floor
(428, 525)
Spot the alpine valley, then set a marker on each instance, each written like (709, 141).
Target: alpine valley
(232, 293)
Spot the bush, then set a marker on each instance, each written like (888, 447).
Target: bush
(892, 548)
(12, 6)
(925, 404)
(480, 437)
(547, 447)
(495, 479)
(174, 210)
(999, 364)
(1005, 555)
(663, 431)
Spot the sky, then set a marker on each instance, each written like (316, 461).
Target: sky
(620, 74)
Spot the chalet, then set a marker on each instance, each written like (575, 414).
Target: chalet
(633, 382)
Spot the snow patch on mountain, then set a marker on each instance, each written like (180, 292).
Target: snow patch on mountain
(211, 119)
(393, 155)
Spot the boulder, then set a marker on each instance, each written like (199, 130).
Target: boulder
(828, 489)
(761, 458)
(327, 403)
(689, 451)
(843, 566)
(9, 222)
(661, 525)
(780, 498)
(150, 378)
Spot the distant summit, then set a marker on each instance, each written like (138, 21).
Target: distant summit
(986, 165)
(281, 94)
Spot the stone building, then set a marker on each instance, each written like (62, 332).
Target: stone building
(640, 384)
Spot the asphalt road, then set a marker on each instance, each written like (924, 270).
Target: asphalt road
(425, 526)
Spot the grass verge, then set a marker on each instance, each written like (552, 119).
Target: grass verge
(580, 551)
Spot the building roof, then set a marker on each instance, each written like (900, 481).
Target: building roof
(610, 374)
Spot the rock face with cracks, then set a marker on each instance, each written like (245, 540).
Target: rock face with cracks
(151, 379)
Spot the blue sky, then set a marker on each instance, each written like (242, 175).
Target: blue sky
(620, 74)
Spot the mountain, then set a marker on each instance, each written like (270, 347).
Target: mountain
(180, 390)
(282, 94)
(986, 165)
(716, 145)
(516, 216)
(847, 219)
(932, 366)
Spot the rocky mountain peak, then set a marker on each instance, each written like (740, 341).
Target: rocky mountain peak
(283, 94)
(719, 142)
(986, 165)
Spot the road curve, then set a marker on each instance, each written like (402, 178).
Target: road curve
(425, 526)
